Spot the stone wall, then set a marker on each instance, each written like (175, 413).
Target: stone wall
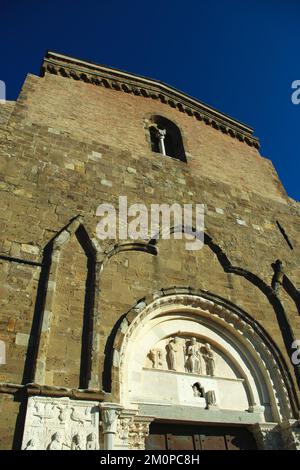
(69, 146)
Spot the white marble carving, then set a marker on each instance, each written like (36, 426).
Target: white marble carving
(61, 424)
(211, 399)
(193, 357)
(172, 353)
(155, 356)
(182, 355)
(208, 357)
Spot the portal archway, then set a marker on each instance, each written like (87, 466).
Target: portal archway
(248, 382)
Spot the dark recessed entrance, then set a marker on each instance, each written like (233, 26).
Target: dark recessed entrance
(183, 437)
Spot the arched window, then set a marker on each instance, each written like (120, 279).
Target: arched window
(166, 138)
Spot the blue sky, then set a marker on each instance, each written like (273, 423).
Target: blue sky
(239, 56)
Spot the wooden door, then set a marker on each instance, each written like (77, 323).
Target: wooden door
(183, 437)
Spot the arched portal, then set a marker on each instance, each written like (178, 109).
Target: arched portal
(186, 358)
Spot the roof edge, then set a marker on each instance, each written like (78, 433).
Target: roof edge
(101, 75)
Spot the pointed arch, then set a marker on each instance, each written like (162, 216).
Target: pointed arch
(45, 303)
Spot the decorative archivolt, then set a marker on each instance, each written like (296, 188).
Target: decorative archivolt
(201, 307)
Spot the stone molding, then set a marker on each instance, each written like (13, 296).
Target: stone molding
(69, 67)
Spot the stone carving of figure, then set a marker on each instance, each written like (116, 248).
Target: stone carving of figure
(91, 443)
(30, 445)
(210, 397)
(172, 351)
(193, 362)
(155, 356)
(208, 357)
(198, 390)
(57, 442)
(76, 443)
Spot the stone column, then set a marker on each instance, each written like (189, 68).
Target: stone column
(109, 416)
(161, 134)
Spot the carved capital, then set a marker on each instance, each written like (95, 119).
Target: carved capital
(109, 417)
(138, 431)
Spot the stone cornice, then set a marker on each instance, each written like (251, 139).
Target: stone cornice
(115, 79)
(53, 391)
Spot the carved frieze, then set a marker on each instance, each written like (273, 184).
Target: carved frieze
(60, 424)
(183, 355)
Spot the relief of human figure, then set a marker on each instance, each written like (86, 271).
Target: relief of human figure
(57, 442)
(76, 443)
(208, 357)
(91, 442)
(193, 361)
(198, 390)
(172, 351)
(155, 356)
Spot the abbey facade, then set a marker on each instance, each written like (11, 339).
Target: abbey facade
(141, 343)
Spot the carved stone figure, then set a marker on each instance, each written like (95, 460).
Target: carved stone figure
(208, 357)
(76, 443)
(91, 442)
(198, 390)
(172, 351)
(155, 356)
(193, 362)
(57, 442)
(210, 397)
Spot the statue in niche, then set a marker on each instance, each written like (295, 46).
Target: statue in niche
(208, 357)
(193, 362)
(210, 397)
(155, 356)
(76, 443)
(57, 442)
(91, 442)
(172, 351)
(198, 390)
